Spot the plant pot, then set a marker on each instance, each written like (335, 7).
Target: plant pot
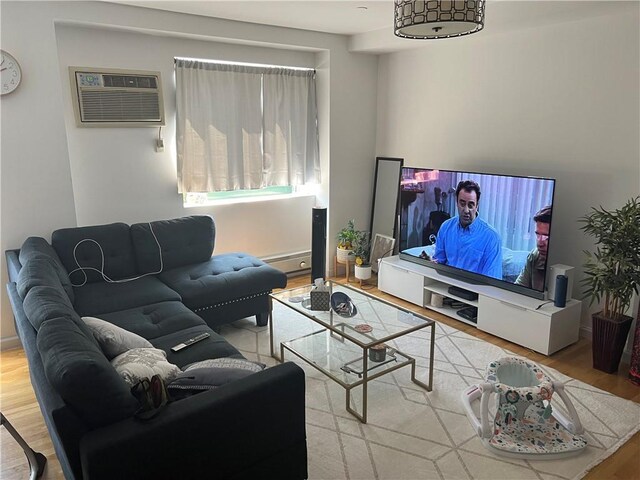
(363, 272)
(342, 255)
(609, 339)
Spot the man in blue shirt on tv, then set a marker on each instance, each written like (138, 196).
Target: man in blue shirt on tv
(467, 241)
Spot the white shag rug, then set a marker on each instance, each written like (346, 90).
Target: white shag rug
(415, 434)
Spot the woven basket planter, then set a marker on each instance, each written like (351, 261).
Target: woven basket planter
(609, 339)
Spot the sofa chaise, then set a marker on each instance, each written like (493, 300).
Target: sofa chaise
(159, 281)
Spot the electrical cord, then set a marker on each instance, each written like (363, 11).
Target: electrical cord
(101, 270)
(543, 304)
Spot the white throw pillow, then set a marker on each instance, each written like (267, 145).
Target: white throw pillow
(139, 363)
(114, 340)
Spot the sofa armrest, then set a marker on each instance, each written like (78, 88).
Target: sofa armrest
(250, 428)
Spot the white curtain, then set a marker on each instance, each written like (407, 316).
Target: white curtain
(224, 139)
(290, 127)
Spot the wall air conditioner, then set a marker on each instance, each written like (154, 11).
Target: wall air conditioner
(116, 98)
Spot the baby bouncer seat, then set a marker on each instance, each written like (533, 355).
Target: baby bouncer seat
(525, 425)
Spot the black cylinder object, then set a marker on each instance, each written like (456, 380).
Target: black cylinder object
(560, 299)
(318, 243)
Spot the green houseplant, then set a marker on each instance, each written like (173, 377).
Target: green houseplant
(361, 249)
(612, 275)
(346, 238)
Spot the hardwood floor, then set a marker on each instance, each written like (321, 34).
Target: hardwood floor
(18, 404)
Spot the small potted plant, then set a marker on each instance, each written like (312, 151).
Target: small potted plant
(346, 238)
(361, 248)
(612, 274)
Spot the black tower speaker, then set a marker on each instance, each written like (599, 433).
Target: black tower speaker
(560, 299)
(318, 243)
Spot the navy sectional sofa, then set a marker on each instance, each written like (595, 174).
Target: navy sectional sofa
(160, 281)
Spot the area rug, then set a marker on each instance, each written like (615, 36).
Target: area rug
(414, 434)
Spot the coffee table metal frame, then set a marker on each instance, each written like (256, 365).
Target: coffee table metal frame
(343, 332)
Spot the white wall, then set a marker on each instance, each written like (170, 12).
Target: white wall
(118, 176)
(560, 101)
(56, 175)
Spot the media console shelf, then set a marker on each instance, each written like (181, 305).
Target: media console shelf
(532, 323)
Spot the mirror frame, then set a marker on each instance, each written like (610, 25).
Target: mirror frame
(396, 187)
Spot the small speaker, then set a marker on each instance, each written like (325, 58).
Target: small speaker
(318, 243)
(560, 299)
(553, 273)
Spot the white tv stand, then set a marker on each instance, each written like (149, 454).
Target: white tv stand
(527, 321)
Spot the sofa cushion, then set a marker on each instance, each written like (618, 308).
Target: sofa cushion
(94, 299)
(81, 374)
(38, 247)
(213, 347)
(112, 339)
(155, 320)
(139, 363)
(222, 279)
(42, 303)
(105, 248)
(39, 271)
(183, 241)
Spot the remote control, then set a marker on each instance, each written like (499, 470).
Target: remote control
(190, 342)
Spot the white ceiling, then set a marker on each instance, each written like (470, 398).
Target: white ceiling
(351, 17)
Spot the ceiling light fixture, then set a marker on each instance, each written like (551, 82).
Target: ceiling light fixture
(438, 18)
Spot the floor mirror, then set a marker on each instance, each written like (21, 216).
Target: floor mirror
(386, 195)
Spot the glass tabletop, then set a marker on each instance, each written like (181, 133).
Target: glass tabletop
(384, 321)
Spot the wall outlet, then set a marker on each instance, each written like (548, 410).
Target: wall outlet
(159, 145)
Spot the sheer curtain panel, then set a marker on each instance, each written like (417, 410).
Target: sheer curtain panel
(218, 126)
(242, 127)
(290, 127)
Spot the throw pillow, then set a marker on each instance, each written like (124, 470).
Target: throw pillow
(209, 374)
(139, 363)
(114, 340)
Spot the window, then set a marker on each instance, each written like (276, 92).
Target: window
(245, 128)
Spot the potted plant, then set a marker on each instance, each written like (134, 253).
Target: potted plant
(346, 237)
(361, 247)
(612, 274)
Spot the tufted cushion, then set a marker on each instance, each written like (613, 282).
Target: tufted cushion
(80, 373)
(97, 298)
(38, 247)
(155, 320)
(184, 241)
(115, 241)
(223, 277)
(213, 347)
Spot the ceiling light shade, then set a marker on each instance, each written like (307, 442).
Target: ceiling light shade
(438, 18)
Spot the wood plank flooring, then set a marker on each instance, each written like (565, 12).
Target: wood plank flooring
(18, 403)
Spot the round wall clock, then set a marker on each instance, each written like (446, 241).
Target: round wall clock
(10, 73)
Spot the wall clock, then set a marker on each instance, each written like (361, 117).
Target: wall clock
(10, 73)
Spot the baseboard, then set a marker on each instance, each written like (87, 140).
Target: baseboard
(586, 332)
(7, 343)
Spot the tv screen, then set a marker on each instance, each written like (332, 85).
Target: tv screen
(481, 227)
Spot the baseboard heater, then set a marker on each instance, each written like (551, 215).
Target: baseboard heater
(292, 263)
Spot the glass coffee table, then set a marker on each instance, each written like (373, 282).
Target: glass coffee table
(344, 347)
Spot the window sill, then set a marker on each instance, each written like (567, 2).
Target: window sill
(234, 201)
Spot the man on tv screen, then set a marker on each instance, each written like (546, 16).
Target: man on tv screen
(533, 273)
(466, 241)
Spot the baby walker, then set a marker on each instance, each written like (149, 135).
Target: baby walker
(525, 424)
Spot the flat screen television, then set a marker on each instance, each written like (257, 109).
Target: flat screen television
(492, 239)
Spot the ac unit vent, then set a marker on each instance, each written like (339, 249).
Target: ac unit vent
(116, 98)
